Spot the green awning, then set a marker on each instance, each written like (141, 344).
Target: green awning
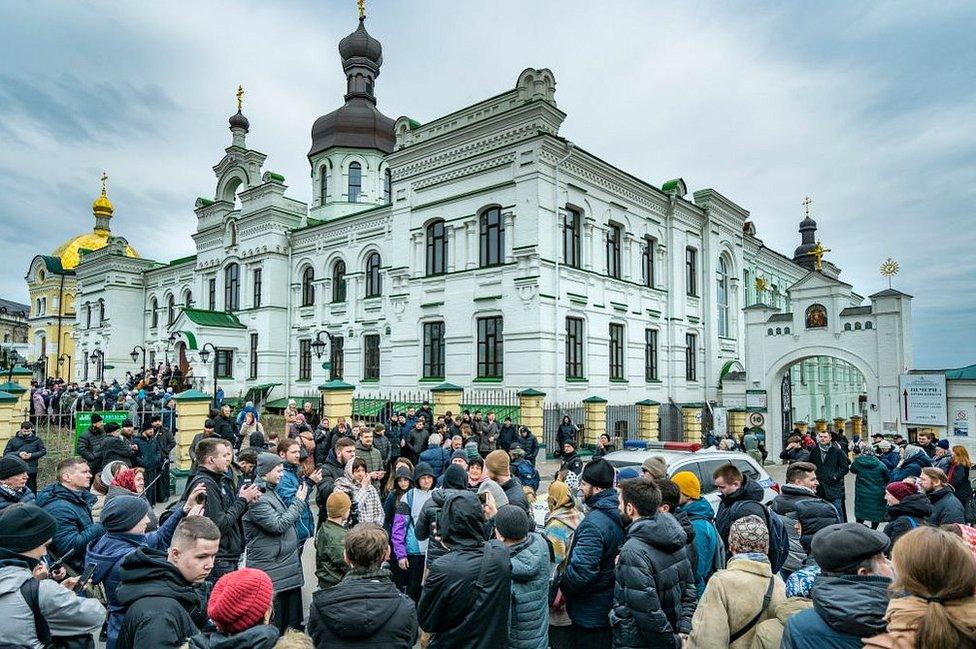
(221, 319)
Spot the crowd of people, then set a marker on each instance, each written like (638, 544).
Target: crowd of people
(437, 530)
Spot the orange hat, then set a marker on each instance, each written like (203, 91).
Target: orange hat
(688, 484)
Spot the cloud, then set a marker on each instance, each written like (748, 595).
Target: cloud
(869, 109)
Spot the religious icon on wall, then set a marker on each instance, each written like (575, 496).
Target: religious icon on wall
(816, 316)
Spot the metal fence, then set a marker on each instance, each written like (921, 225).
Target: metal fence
(504, 403)
(622, 422)
(376, 407)
(552, 417)
(672, 424)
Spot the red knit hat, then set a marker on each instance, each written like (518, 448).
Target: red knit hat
(126, 478)
(240, 599)
(901, 490)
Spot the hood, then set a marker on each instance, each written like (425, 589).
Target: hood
(698, 509)
(684, 520)
(422, 469)
(462, 519)
(939, 494)
(263, 636)
(107, 550)
(147, 573)
(797, 491)
(852, 604)
(917, 505)
(14, 569)
(662, 532)
(455, 477)
(750, 490)
(357, 612)
(606, 501)
(57, 491)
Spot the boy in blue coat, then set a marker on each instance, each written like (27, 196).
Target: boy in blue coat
(709, 550)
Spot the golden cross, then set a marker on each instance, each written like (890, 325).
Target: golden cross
(818, 253)
(240, 97)
(760, 285)
(362, 8)
(806, 206)
(104, 178)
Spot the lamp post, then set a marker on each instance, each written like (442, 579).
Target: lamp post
(40, 365)
(11, 359)
(205, 356)
(61, 361)
(134, 355)
(97, 356)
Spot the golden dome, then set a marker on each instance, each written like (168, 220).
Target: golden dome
(70, 251)
(101, 206)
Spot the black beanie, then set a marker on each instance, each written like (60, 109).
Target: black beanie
(111, 427)
(455, 477)
(598, 473)
(96, 418)
(122, 513)
(11, 465)
(512, 522)
(25, 526)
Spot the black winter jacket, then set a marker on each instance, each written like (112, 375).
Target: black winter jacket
(459, 606)
(513, 489)
(946, 508)
(654, 594)
(117, 449)
(506, 435)
(33, 445)
(832, 466)
(225, 428)
(225, 508)
(162, 608)
(960, 482)
(263, 636)
(90, 448)
(915, 507)
(785, 503)
(751, 495)
(363, 610)
(529, 443)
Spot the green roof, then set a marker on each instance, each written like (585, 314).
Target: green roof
(274, 176)
(53, 265)
(959, 374)
(594, 399)
(447, 387)
(213, 318)
(532, 392)
(6, 397)
(648, 402)
(15, 388)
(336, 384)
(192, 395)
(183, 260)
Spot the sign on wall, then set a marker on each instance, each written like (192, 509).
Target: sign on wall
(960, 423)
(923, 399)
(756, 399)
(83, 420)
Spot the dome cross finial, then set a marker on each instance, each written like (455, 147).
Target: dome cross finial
(806, 206)
(104, 178)
(362, 9)
(240, 97)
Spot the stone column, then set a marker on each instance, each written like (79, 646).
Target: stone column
(451, 233)
(418, 262)
(192, 409)
(471, 230)
(337, 399)
(595, 419)
(692, 415)
(447, 397)
(9, 417)
(857, 426)
(530, 410)
(509, 254)
(648, 420)
(21, 408)
(736, 420)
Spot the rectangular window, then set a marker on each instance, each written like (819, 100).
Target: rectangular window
(433, 350)
(691, 272)
(574, 348)
(305, 359)
(490, 348)
(336, 357)
(225, 363)
(650, 354)
(691, 355)
(257, 287)
(212, 294)
(492, 238)
(571, 238)
(371, 365)
(613, 250)
(253, 358)
(647, 262)
(616, 351)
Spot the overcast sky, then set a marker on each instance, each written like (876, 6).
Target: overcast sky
(868, 108)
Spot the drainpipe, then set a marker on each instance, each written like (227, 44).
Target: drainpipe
(57, 369)
(288, 323)
(669, 267)
(556, 253)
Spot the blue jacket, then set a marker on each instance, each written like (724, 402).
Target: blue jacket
(526, 473)
(10, 497)
(530, 444)
(438, 458)
(107, 554)
(287, 488)
(588, 580)
(846, 608)
(912, 467)
(528, 622)
(72, 510)
(707, 541)
(890, 459)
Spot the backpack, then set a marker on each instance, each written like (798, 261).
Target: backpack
(779, 537)
(30, 591)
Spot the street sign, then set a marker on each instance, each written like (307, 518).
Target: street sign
(922, 399)
(756, 419)
(83, 420)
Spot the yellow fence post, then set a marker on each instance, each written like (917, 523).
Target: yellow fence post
(21, 407)
(857, 426)
(648, 420)
(192, 409)
(692, 415)
(530, 410)
(595, 419)
(9, 417)
(337, 400)
(736, 421)
(447, 398)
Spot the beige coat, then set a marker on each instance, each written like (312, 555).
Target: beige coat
(904, 615)
(733, 597)
(769, 634)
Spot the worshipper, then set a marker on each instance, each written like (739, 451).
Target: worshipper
(869, 486)
(832, 465)
(70, 502)
(356, 484)
(29, 447)
(240, 607)
(14, 479)
(709, 550)
(130, 482)
(330, 567)
(498, 465)
(561, 523)
(528, 620)
(946, 508)
(907, 509)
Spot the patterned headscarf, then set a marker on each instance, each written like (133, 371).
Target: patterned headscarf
(749, 534)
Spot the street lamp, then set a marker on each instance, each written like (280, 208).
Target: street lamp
(96, 357)
(61, 361)
(40, 365)
(134, 354)
(11, 359)
(205, 356)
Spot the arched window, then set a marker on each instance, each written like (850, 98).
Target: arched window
(769, 332)
(436, 248)
(308, 288)
(779, 331)
(387, 187)
(170, 310)
(868, 325)
(188, 300)
(857, 326)
(339, 281)
(154, 313)
(323, 184)
(232, 233)
(847, 326)
(722, 297)
(492, 238)
(374, 283)
(355, 181)
(816, 316)
(232, 287)
(87, 316)
(786, 330)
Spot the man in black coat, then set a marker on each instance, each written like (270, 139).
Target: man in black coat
(224, 426)
(946, 507)
(28, 447)
(221, 505)
(506, 435)
(528, 442)
(738, 497)
(331, 470)
(160, 590)
(116, 448)
(365, 608)
(832, 465)
(654, 592)
(90, 444)
(467, 593)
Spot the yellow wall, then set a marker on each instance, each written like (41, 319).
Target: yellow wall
(49, 289)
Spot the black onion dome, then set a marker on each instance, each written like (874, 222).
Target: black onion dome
(237, 120)
(808, 229)
(360, 44)
(356, 124)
